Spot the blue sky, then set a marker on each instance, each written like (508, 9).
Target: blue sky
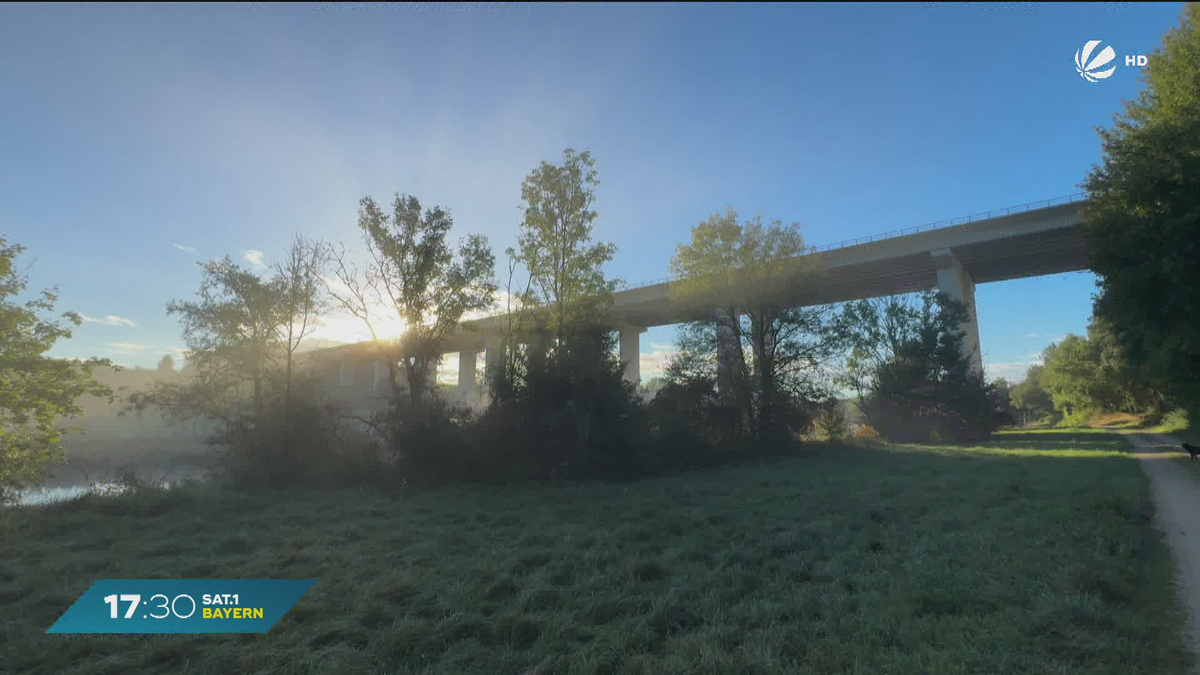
(138, 140)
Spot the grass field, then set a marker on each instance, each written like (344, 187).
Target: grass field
(1035, 553)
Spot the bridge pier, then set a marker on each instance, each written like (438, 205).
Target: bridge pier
(493, 360)
(954, 280)
(467, 389)
(631, 353)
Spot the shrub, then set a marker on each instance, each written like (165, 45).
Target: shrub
(571, 415)
(829, 423)
(687, 425)
(309, 446)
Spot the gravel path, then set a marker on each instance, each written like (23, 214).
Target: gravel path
(1177, 497)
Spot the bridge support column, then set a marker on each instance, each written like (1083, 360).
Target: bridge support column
(493, 360)
(954, 280)
(467, 390)
(631, 353)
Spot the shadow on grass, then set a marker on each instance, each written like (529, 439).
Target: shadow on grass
(840, 559)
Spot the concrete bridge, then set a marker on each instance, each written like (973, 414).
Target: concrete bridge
(951, 256)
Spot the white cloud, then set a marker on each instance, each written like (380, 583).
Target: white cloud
(654, 362)
(127, 347)
(1033, 335)
(254, 257)
(109, 320)
(1013, 371)
(185, 249)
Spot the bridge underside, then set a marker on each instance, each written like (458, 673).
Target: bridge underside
(951, 259)
(1028, 255)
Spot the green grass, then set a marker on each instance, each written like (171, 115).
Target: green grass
(1034, 553)
(1177, 424)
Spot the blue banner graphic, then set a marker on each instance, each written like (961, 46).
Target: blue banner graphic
(182, 606)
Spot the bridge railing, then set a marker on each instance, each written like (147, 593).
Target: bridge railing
(995, 213)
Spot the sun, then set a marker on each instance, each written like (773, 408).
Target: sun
(344, 327)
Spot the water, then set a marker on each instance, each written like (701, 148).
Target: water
(49, 495)
(42, 496)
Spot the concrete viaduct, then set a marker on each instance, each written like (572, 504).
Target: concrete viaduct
(952, 256)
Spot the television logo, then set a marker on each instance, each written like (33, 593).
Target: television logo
(1091, 64)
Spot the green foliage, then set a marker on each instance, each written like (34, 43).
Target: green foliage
(571, 415)
(830, 423)
(566, 283)
(1143, 218)
(36, 391)
(1071, 376)
(560, 407)
(748, 271)
(1030, 401)
(907, 366)
(243, 333)
(1084, 376)
(415, 271)
(1002, 402)
(232, 334)
(296, 442)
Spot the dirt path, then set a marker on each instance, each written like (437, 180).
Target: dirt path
(1177, 497)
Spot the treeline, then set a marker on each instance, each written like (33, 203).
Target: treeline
(753, 375)
(1084, 377)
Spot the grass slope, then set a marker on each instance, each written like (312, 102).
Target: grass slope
(1034, 553)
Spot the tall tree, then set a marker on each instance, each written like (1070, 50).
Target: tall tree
(750, 272)
(566, 276)
(166, 364)
(301, 298)
(415, 272)
(1143, 218)
(36, 391)
(232, 333)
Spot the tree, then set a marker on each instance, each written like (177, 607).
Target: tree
(1129, 383)
(232, 335)
(1030, 401)
(560, 406)
(907, 367)
(297, 283)
(243, 333)
(1143, 217)
(166, 364)
(1071, 375)
(36, 391)
(414, 271)
(1091, 374)
(1002, 401)
(748, 271)
(566, 276)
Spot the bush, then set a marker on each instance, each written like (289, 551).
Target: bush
(687, 425)
(864, 432)
(829, 423)
(310, 446)
(571, 415)
(1176, 420)
(930, 420)
(432, 447)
